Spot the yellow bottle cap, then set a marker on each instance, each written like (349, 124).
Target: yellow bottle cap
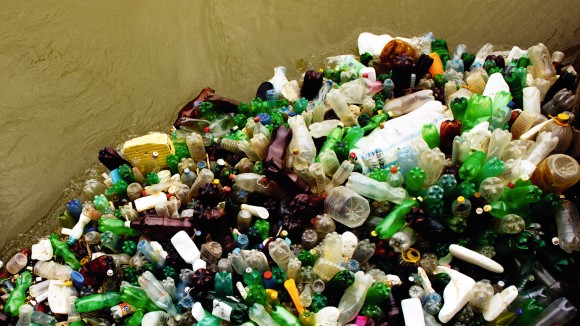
(460, 199)
(487, 208)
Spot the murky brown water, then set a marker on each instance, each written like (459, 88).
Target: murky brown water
(75, 77)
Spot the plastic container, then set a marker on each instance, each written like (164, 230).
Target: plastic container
(346, 206)
(16, 263)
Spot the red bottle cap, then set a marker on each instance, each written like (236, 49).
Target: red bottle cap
(256, 119)
(268, 275)
(394, 169)
(206, 129)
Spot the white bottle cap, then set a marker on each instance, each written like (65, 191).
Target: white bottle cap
(198, 264)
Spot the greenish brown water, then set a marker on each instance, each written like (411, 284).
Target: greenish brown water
(76, 77)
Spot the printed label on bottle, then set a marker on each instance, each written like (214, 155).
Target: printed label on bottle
(221, 310)
(125, 309)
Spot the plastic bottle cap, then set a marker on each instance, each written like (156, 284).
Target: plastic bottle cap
(68, 283)
(555, 241)
(256, 119)
(110, 272)
(460, 199)
(394, 169)
(155, 154)
(382, 125)
(477, 195)
(186, 170)
(227, 189)
(365, 75)
(487, 208)
(352, 155)
(206, 129)
(510, 185)
(216, 181)
(379, 112)
(284, 233)
(295, 151)
(268, 275)
(479, 211)
(249, 270)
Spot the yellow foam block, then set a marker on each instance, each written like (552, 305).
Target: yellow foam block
(139, 150)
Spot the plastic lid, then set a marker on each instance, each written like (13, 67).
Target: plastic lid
(563, 117)
(186, 170)
(206, 129)
(216, 181)
(284, 233)
(274, 295)
(394, 169)
(487, 208)
(249, 270)
(512, 104)
(110, 272)
(198, 264)
(460, 199)
(155, 154)
(295, 151)
(268, 275)
(256, 119)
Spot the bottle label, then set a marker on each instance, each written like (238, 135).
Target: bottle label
(221, 310)
(125, 309)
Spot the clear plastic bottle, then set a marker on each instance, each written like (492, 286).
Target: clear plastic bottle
(407, 158)
(25, 314)
(301, 138)
(523, 123)
(338, 103)
(568, 224)
(491, 189)
(559, 127)
(194, 143)
(509, 224)
(253, 182)
(556, 173)
(341, 175)
(460, 150)
(188, 177)
(346, 206)
(155, 318)
(498, 142)
(260, 316)
(157, 293)
(52, 271)
(461, 207)
(280, 252)
(376, 190)
(353, 298)
(329, 161)
(432, 161)
(395, 177)
(16, 263)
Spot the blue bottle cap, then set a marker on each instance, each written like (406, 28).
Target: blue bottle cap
(264, 118)
(291, 113)
(78, 279)
(201, 164)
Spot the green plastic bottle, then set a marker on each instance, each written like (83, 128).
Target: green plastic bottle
(430, 135)
(414, 180)
(97, 302)
(137, 297)
(530, 309)
(18, 295)
(263, 228)
(516, 81)
(340, 281)
(479, 109)
(252, 277)
(223, 284)
(135, 319)
(375, 122)
(116, 226)
(491, 168)
(458, 107)
(470, 168)
(396, 219)
(61, 250)
(353, 135)
(284, 317)
(377, 293)
(82, 323)
(334, 136)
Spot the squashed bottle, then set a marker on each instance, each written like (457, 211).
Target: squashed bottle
(354, 297)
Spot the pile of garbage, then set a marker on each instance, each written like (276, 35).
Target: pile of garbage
(411, 185)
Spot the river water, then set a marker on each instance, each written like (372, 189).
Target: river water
(76, 77)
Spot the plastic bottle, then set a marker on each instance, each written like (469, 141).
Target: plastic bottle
(376, 190)
(116, 226)
(136, 297)
(568, 224)
(395, 220)
(408, 103)
(559, 312)
(61, 250)
(432, 162)
(491, 189)
(431, 135)
(338, 103)
(280, 252)
(260, 316)
(562, 101)
(498, 141)
(407, 159)
(16, 263)
(461, 208)
(479, 108)
(460, 150)
(121, 310)
(560, 128)
(395, 178)
(346, 206)
(556, 173)
(96, 302)
(25, 314)
(195, 145)
(470, 168)
(353, 298)
(541, 62)
(253, 182)
(157, 293)
(52, 271)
